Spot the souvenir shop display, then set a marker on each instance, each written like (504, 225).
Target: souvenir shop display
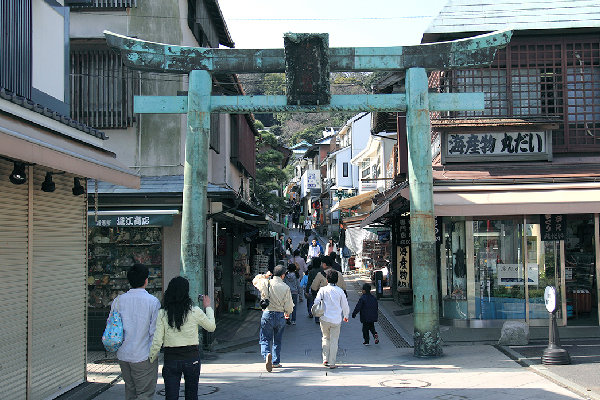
(111, 251)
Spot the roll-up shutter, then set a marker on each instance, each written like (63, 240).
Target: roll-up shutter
(13, 286)
(59, 287)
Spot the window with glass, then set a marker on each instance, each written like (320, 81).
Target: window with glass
(534, 77)
(454, 273)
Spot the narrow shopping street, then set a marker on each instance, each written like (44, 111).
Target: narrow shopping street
(385, 370)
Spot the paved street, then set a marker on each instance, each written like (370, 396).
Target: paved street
(473, 371)
(375, 372)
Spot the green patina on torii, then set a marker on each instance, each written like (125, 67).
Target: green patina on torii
(307, 61)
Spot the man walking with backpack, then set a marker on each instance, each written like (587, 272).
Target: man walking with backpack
(139, 310)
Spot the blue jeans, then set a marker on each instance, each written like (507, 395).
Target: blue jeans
(295, 300)
(272, 324)
(171, 372)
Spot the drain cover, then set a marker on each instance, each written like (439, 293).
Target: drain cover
(404, 383)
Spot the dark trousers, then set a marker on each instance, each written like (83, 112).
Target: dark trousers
(310, 300)
(171, 372)
(368, 327)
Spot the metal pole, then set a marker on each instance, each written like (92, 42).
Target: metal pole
(427, 342)
(195, 182)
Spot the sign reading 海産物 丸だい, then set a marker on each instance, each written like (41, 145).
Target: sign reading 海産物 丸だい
(496, 146)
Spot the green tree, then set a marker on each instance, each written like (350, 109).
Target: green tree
(270, 177)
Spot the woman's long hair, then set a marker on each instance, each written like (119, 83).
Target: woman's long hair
(177, 301)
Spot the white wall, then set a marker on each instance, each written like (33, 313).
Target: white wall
(343, 156)
(92, 24)
(361, 133)
(48, 50)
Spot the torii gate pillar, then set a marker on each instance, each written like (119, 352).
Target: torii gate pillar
(195, 181)
(427, 342)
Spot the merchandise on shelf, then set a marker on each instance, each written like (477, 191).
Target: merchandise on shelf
(111, 251)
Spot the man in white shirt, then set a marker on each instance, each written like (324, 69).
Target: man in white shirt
(138, 310)
(336, 309)
(314, 250)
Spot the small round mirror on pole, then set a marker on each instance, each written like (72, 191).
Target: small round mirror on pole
(550, 298)
(553, 354)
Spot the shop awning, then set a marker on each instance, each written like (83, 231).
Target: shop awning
(557, 198)
(390, 196)
(33, 144)
(376, 214)
(354, 201)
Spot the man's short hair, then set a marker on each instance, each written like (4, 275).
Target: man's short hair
(367, 288)
(316, 262)
(333, 254)
(327, 260)
(279, 270)
(137, 275)
(332, 276)
(296, 252)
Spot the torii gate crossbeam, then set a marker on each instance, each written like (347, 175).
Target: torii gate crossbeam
(417, 102)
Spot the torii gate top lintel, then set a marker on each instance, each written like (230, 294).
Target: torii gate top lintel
(471, 52)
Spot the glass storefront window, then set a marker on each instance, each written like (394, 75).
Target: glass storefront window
(486, 262)
(499, 273)
(580, 271)
(454, 274)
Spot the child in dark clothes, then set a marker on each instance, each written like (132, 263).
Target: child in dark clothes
(367, 306)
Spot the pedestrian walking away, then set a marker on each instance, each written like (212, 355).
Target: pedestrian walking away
(301, 268)
(368, 308)
(177, 330)
(314, 268)
(139, 311)
(320, 279)
(292, 279)
(276, 309)
(336, 310)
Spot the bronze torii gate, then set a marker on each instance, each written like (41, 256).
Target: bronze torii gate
(307, 61)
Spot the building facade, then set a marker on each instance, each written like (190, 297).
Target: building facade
(45, 160)
(514, 184)
(128, 226)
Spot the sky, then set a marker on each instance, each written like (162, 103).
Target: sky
(260, 24)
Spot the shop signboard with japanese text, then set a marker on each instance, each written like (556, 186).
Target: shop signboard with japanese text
(496, 146)
(553, 226)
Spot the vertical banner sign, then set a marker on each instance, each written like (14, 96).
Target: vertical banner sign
(307, 68)
(403, 267)
(553, 226)
(438, 230)
(403, 231)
